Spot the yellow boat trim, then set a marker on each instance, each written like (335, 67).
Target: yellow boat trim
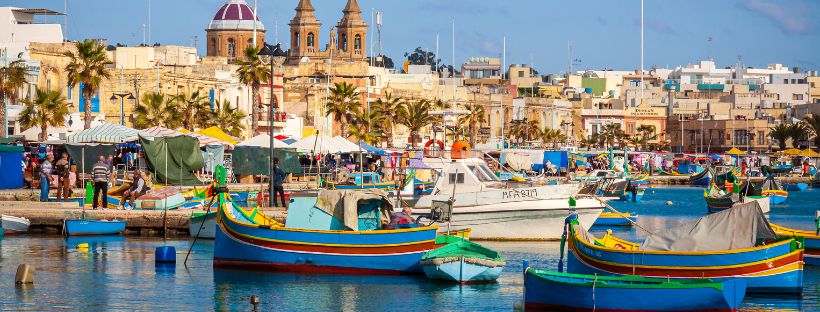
(774, 192)
(614, 215)
(795, 266)
(782, 230)
(680, 267)
(719, 252)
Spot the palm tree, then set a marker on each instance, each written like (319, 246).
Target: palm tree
(813, 123)
(415, 116)
(533, 129)
(519, 130)
(227, 118)
(87, 67)
(390, 108)
(252, 73)
(367, 126)
(610, 134)
(47, 108)
(343, 102)
(472, 120)
(554, 136)
(194, 108)
(780, 133)
(156, 109)
(646, 134)
(12, 78)
(798, 132)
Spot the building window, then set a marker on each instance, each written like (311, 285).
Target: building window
(343, 42)
(250, 42)
(296, 40)
(761, 138)
(741, 137)
(213, 46)
(357, 43)
(797, 97)
(310, 40)
(231, 48)
(520, 74)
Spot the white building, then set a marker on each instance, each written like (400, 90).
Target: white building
(18, 27)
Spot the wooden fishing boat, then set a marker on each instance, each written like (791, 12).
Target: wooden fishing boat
(774, 267)
(159, 199)
(641, 180)
(616, 219)
(462, 261)
(772, 189)
(702, 178)
(14, 225)
(554, 291)
(811, 241)
(717, 200)
(196, 228)
(796, 187)
(360, 180)
(93, 227)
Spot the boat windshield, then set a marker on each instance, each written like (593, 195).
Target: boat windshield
(482, 173)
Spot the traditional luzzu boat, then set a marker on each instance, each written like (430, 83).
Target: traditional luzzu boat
(14, 225)
(773, 267)
(556, 291)
(360, 180)
(616, 219)
(702, 178)
(717, 200)
(462, 261)
(202, 224)
(772, 189)
(624, 190)
(331, 231)
(811, 240)
(641, 180)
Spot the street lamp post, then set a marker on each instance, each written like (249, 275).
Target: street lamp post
(121, 96)
(277, 58)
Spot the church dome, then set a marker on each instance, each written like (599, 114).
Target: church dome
(235, 15)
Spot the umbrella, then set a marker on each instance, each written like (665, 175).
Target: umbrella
(792, 152)
(735, 151)
(809, 153)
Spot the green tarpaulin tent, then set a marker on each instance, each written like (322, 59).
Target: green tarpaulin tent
(174, 159)
(85, 160)
(251, 160)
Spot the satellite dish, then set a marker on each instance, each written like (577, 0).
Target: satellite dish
(304, 59)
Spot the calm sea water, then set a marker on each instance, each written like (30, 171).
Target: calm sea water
(119, 273)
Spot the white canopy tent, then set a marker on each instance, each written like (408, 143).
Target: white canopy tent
(322, 144)
(54, 133)
(346, 146)
(263, 140)
(107, 133)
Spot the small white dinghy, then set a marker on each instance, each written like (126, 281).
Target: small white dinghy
(12, 224)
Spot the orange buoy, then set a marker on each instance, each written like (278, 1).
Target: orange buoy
(460, 149)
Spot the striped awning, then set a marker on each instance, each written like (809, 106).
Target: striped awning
(106, 133)
(203, 139)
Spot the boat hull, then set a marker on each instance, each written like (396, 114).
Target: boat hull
(90, 227)
(810, 239)
(462, 272)
(244, 246)
(546, 294)
(13, 225)
(774, 268)
(776, 197)
(524, 220)
(796, 187)
(196, 228)
(614, 219)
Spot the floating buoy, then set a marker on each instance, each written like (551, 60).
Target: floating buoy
(669, 203)
(82, 247)
(255, 302)
(25, 274)
(165, 254)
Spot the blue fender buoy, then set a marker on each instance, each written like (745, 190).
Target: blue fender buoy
(165, 254)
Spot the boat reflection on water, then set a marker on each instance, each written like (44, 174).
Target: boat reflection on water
(93, 241)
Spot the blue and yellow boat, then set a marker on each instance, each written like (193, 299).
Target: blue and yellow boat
(555, 291)
(702, 178)
(93, 227)
(360, 180)
(811, 242)
(775, 267)
(615, 219)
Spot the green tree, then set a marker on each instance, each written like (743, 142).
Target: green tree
(646, 133)
(798, 132)
(390, 108)
(554, 136)
(472, 120)
(252, 73)
(813, 124)
(157, 109)
(47, 108)
(421, 57)
(194, 110)
(229, 119)
(780, 133)
(12, 78)
(415, 116)
(519, 130)
(87, 66)
(611, 134)
(342, 104)
(367, 126)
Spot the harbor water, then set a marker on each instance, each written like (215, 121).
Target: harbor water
(119, 274)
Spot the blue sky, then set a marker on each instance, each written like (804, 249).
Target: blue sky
(604, 33)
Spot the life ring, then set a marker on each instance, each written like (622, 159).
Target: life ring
(428, 151)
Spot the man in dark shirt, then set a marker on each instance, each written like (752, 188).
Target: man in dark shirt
(278, 181)
(63, 171)
(100, 173)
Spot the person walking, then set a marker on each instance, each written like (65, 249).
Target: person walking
(100, 173)
(278, 180)
(63, 172)
(45, 177)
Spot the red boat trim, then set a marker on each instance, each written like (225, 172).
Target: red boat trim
(302, 268)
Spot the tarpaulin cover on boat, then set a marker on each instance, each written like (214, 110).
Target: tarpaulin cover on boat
(343, 204)
(10, 158)
(86, 155)
(181, 155)
(252, 160)
(769, 184)
(742, 226)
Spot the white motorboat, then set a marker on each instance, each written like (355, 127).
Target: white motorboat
(12, 224)
(504, 210)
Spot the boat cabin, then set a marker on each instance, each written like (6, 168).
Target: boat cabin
(372, 209)
(466, 175)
